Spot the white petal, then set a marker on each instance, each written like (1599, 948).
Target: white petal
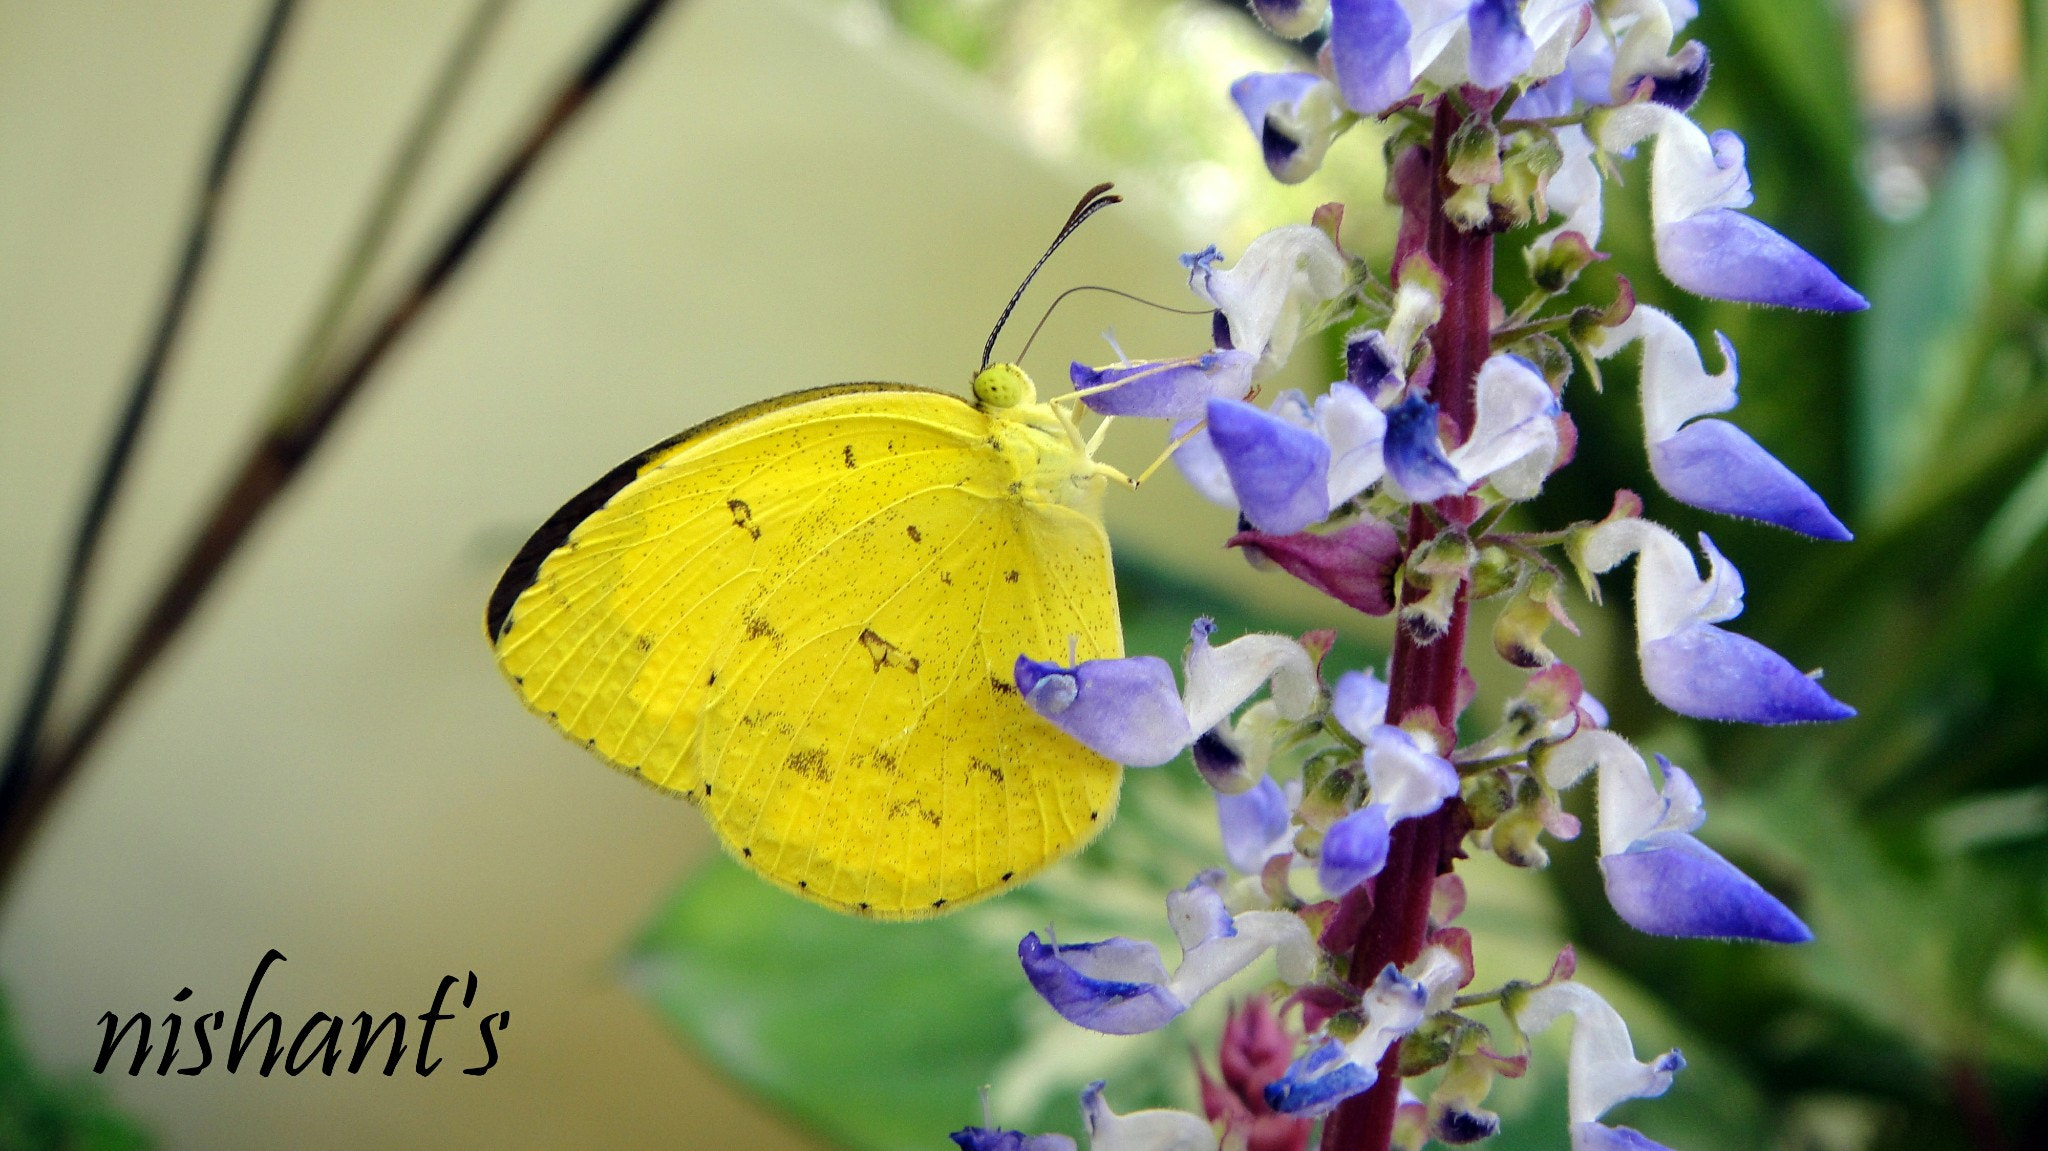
(1515, 419)
(1263, 295)
(1575, 189)
(1221, 678)
(1354, 429)
(1603, 1069)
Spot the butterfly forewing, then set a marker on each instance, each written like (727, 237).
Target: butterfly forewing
(804, 616)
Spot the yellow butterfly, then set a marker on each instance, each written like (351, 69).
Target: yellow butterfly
(804, 617)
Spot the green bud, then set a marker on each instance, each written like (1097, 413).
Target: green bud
(1488, 795)
(1494, 572)
(1473, 155)
(1553, 267)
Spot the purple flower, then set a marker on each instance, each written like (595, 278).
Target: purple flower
(1126, 710)
(1152, 1130)
(1709, 464)
(1406, 781)
(1335, 1070)
(1353, 565)
(1000, 1139)
(1689, 665)
(1121, 987)
(1703, 243)
(1164, 389)
(1295, 115)
(1283, 274)
(1513, 440)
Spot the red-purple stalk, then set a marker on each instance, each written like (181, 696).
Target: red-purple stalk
(1395, 904)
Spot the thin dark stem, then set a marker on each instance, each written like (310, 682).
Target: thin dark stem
(29, 730)
(276, 458)
(1423, 675)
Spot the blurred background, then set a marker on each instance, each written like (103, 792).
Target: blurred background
(774, 194)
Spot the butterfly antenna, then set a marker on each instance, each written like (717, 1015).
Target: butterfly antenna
(1095, 200)
(1112, 291)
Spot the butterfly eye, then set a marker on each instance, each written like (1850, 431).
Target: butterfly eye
(1004, 386)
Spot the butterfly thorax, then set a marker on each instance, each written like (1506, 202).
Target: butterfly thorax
(1040, 440)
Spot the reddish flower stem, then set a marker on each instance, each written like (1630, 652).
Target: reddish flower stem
(1423, 674)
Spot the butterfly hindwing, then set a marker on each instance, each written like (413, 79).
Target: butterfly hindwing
(804, 616)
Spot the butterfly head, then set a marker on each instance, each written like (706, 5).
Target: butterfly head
(1001, 386)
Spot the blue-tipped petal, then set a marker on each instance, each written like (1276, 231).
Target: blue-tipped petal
(1256, 92)
(1279, 471)
(1369, 50)
(1501, 49)
(1127, 710)
(1724, 255)
(1713, 464)
(1115, 986)
(1252, 822)
(1318, 1081)
(1600, 1137)
(1000, 1139)
(1672, 884)
(1705, 672)
(1165, 389)
(1415, 453)
(1354, 849)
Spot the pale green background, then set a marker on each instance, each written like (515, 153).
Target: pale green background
(775, 194)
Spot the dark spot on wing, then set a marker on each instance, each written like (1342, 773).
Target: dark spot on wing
(848, 456)
(803, 884)
(886, 654)
(747, 851)
(976, 763)
(1010, 576)
(938, 903)
(1093, 816)
(1001, 686)
(914, 809)
(916, 537)
(644, 642)
(946, 578)
(707, 789)
(712, 680)
(809, 762)
(1007, 876)
(520, 680)
(863, 904)
(884, 762)
(743, 517)
(758, 628)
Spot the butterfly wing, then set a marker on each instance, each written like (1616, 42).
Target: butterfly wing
(804, 616)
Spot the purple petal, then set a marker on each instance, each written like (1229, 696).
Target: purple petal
(1600, 1137)
(1318, 1081)
(1353, 565)
(1124, 709)
(1071, 979)
(1501, 49)
(1715, 465)
(1672, 884)
(1724, 255)
(1359, 703)
(1369, 50)
(1252, 822)
(1546, 98)
(1199, 465)
(1259, 95)
(1166, 389)
(1279, 471)
(1354, 849)
(999, 1139)
(1368, 361)
(1707, 673)
(1415, 453)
